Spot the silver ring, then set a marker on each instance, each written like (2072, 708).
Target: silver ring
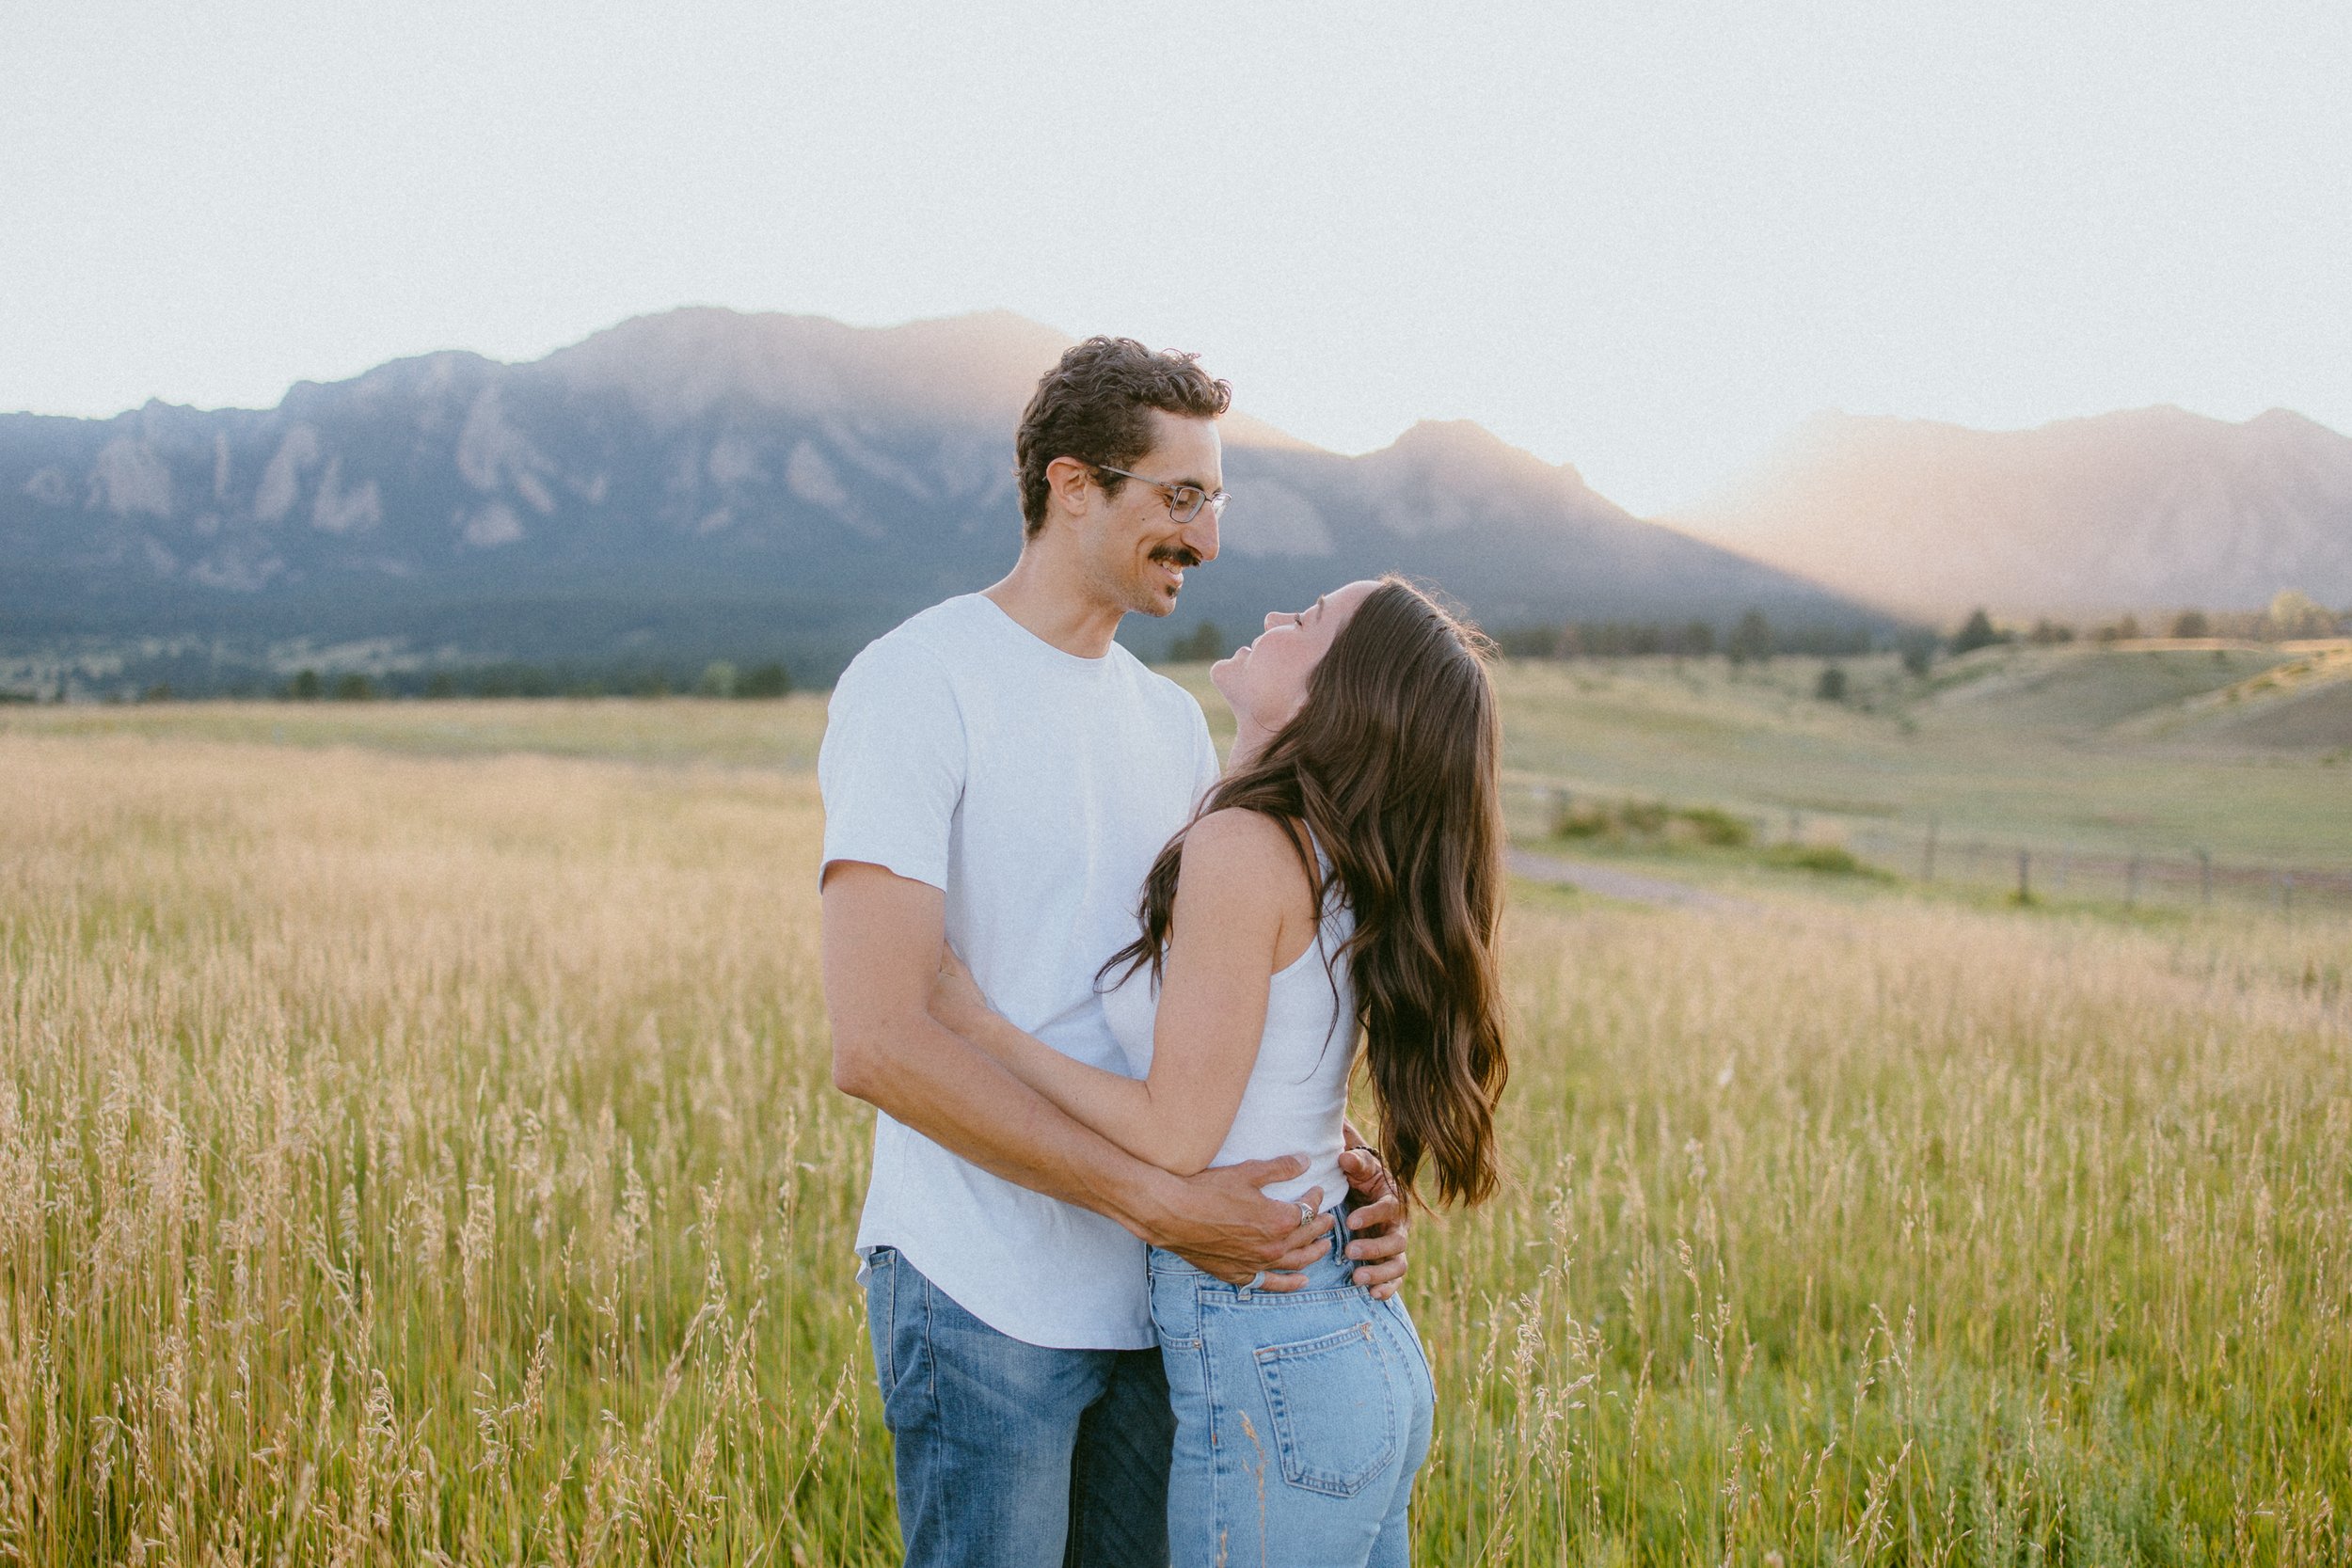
(1255, 1280)
(1306, 1212)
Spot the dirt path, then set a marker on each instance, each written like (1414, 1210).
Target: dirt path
(1610, 882)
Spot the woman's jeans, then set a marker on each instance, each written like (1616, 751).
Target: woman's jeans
(1300, 1419)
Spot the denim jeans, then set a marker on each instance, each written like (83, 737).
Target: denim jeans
(1300, 1419)
(1013, 1455)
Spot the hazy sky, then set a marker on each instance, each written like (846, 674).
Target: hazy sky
(1643, 237)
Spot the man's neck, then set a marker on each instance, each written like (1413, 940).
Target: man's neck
(1047, 598)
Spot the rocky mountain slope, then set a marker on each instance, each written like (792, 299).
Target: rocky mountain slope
(708, 482)
(2140, 510)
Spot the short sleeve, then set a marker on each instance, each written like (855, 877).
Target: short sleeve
(892, 765)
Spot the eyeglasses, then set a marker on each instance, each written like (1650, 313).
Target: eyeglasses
(1184, 501)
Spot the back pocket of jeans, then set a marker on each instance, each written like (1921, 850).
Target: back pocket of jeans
(1334, 1413)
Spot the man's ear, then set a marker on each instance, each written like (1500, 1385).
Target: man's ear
(1073, 484)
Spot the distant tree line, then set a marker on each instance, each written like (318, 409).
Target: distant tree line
(765, 678)
(1752, 638)
(1203, 644)
(719, 678)
(2289, 616)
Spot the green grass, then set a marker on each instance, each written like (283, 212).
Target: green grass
(1823, 859)
(1757, 745)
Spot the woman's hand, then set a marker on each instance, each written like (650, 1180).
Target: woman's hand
(1375, 1215)
(956, 998)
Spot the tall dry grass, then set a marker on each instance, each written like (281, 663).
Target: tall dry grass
(410, 1160)
(407, 1157)
(1910, 1234)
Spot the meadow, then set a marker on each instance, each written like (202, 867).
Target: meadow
(417, 1143)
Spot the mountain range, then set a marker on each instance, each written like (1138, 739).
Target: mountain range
(704, 482)
(2140, 510)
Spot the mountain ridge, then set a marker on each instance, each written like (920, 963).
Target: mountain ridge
(2133, 509)
(704, 478)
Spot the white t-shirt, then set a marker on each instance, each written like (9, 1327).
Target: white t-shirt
(1034, 787)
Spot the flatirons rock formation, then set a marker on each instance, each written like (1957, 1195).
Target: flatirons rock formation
(708, 482)
(2141, 510)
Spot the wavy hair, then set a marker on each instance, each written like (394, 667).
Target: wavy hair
(1096, 405)
(1393, 761)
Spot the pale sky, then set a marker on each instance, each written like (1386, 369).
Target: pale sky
(1642, 236)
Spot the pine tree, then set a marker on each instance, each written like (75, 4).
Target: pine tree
(1977, 633)
(1752, 638)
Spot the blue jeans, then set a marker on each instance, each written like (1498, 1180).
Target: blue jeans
(1014, 1455)
(1300, 1419)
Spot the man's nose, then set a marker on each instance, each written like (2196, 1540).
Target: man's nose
(1199, 535)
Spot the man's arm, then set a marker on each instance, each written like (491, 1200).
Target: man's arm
(882, 936)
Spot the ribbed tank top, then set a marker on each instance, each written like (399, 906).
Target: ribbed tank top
(1297, 1097)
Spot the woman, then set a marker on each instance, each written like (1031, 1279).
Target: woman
(1343, 878)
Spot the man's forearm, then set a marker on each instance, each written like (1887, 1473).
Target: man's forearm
(935, 1081)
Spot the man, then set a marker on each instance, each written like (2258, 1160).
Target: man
(999, 773)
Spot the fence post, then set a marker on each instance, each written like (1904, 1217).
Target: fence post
(2204, 880)
(2066, 867)
(2025, 876)
(2286, 893)
(1927, 866)
(2130, 882)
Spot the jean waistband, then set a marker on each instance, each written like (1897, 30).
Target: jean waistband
(1334, 1252)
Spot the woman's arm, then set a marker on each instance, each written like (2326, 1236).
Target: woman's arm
(1237, 896)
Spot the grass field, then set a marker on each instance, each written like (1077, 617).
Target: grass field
(416, 1143)
(2051, 748)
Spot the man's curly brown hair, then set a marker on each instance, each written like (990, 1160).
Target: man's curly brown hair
(1094, 407)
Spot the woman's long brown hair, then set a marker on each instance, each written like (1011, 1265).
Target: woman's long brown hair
(1393, 761)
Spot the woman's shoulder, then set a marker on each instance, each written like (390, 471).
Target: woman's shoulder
(1239, 830)
(1236, 845)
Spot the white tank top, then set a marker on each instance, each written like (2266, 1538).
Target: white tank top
(1298, 1092)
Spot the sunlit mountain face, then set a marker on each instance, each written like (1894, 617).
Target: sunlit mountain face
(704, 482)
(2148, 508)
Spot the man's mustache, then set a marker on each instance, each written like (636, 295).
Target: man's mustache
(1177, 556)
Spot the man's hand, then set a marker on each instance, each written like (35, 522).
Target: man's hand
(1221, 1222)
(1375, 1217)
